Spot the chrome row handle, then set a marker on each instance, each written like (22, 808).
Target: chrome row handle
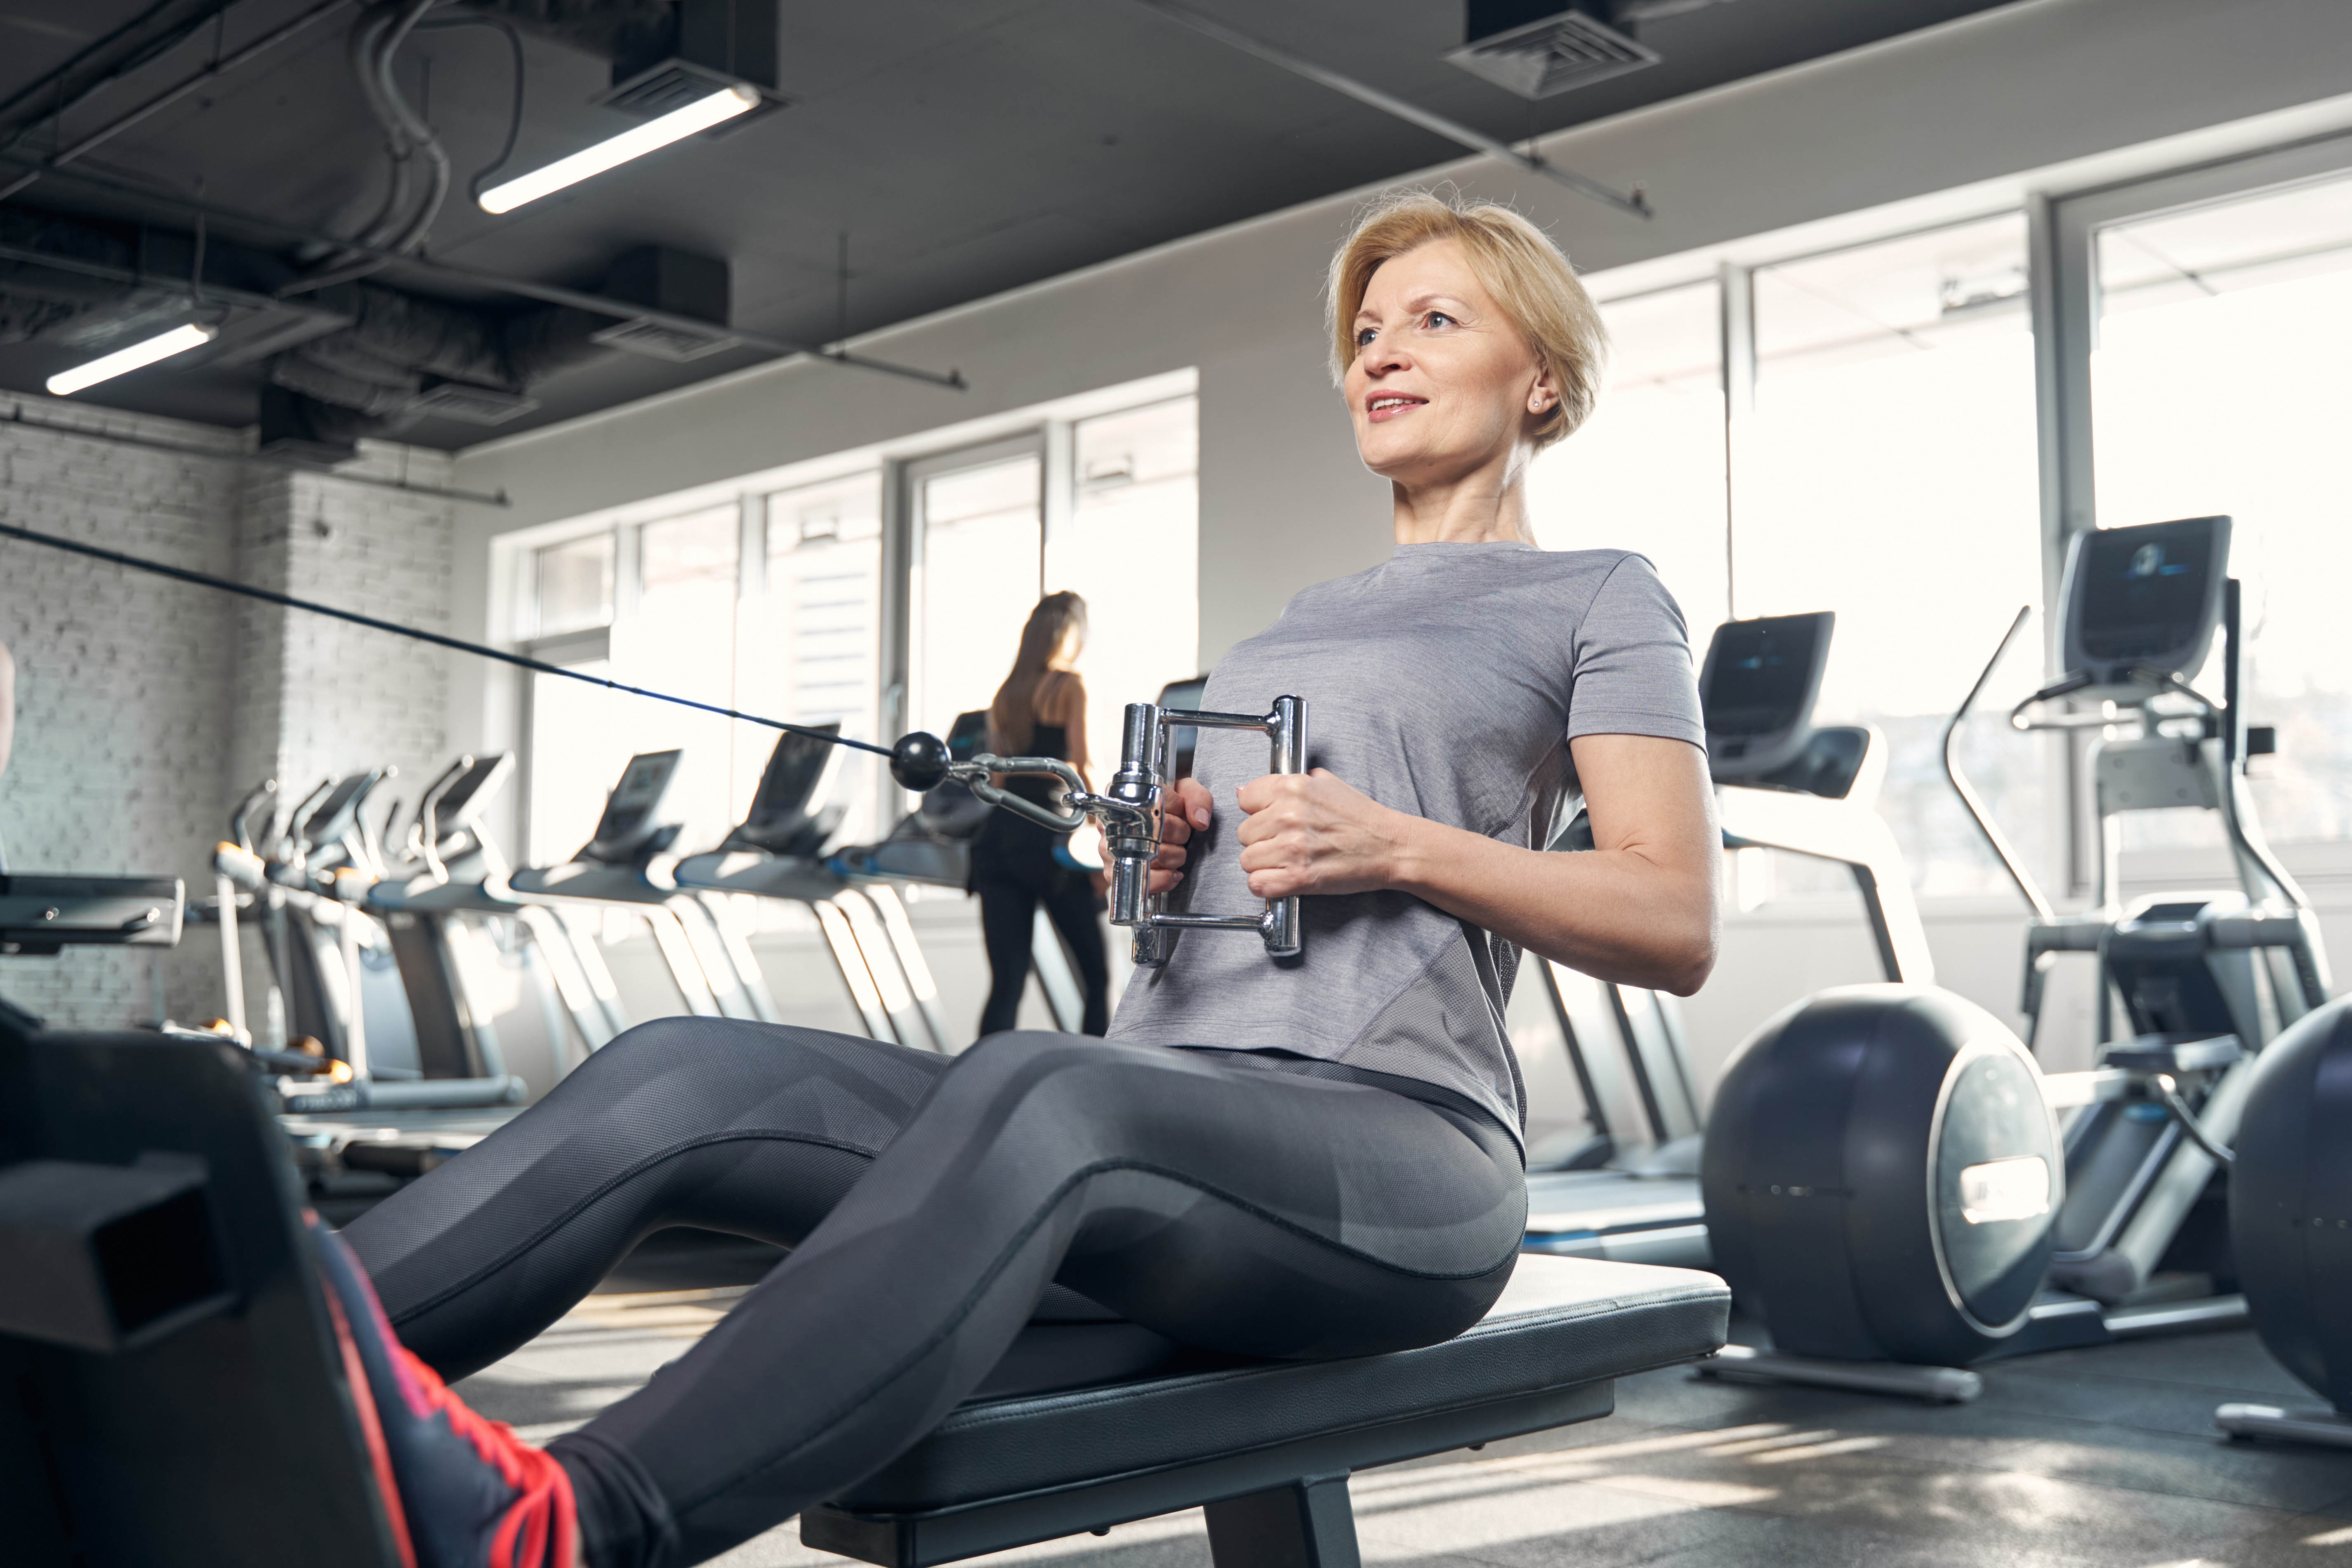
(1131, 815)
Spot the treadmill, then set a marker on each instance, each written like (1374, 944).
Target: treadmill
(776, 852)
(628, 862)
(332, 963)
(1629, 1189)
(931, 847)
(437, 905)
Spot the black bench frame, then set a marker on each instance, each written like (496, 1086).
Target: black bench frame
(1286, 1506)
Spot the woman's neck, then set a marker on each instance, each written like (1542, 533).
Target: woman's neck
(1484, 507)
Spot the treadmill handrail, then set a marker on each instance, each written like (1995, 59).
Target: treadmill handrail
(1855, 837)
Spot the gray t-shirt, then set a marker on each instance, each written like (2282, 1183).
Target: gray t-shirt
(1446, 683)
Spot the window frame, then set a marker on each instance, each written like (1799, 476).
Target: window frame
(2063, 276)
(2063, 309)
(1049, 433)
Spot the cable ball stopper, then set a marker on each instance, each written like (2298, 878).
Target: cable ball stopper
(919, 761)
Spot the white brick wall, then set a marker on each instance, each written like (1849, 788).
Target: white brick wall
(321, 696)
(144, 706)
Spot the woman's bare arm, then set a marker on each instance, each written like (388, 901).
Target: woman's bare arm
(1640, 908)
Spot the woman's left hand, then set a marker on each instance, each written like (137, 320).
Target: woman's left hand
(1313, 833)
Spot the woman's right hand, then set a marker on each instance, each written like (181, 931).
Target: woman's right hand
(1183, 811)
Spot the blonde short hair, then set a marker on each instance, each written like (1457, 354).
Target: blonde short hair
(1517, 264)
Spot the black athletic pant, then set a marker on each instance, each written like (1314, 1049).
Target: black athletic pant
(1008, 918)
(1240, 1203)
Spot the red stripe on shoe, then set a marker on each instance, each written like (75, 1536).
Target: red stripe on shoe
(544, 1514)
(371, 1430)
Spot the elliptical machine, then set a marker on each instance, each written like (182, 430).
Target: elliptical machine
(1886, 1178)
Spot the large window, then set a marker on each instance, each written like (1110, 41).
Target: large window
(1646, 471)
(812, 639)
(1870, 449)
(979, 527)
(1890, 474)
(2219, 385)
(775, 601)
(1128, 547)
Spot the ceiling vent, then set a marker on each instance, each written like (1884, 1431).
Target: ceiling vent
(1547, 53)
(673, 84)
(664, 340)
(686, 288)
(471, 405)
(712, 46)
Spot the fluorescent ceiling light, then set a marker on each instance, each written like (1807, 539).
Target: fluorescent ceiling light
(677, 124)
(178, 339)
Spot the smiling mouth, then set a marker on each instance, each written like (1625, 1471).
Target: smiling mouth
(1391, 405)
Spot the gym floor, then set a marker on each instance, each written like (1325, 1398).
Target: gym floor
(2102, 1458)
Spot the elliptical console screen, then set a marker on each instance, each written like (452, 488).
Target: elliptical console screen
(2146, 595)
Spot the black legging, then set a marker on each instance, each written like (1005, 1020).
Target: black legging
(1239, 1203)
(1008, 923)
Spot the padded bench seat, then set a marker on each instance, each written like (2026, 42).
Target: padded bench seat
(1267, 1445)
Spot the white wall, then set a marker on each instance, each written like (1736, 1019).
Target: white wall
(2050, 94)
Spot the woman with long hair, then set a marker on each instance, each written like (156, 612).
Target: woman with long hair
(1314, 1157)
(1039, 712)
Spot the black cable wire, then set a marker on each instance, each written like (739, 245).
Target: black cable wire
(270, 596)
(514, 116)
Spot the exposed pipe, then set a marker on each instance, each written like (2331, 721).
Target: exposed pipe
(398, 226)
(546, 294)
(172, 95)
(1634, 201)
(131, 276)
(16, 416)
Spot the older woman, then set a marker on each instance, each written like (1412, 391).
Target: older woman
(1308, 1159)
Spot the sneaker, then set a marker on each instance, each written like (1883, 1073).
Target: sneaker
(462, 1491)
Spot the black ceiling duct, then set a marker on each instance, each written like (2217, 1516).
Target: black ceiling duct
(665, 54)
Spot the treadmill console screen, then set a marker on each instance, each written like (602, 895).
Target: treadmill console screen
(1757, 688)
(1184, 738)
(795, 768)
(2148, 596)
(471, 788)
(331, 821)
(632, 801)
(968, 736)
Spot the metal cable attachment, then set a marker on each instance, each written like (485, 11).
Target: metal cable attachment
(1130, 813)
(974, 776)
